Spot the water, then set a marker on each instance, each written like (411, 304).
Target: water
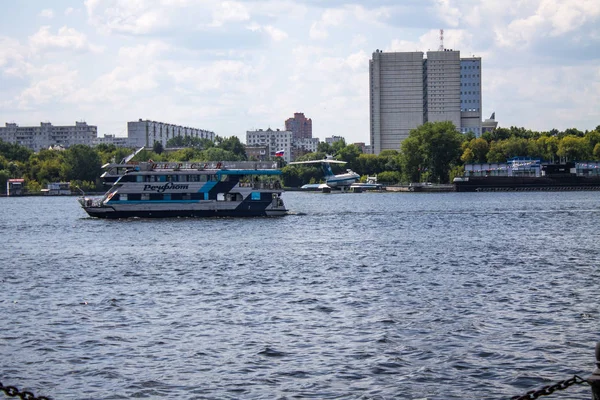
(355, 296)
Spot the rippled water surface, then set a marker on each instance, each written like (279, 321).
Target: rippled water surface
(354, 296)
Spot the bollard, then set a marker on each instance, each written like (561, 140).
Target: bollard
(594, 379)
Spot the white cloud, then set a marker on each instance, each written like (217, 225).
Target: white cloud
(229, 11)
(450, 15)
(49, 83)
(430, 41)
(127, 16)
(47, 13)
(65, 39)
(274, 33)
(225, 62)
(10, 51)
(329, 18)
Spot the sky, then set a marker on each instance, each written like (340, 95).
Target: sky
(234, 66)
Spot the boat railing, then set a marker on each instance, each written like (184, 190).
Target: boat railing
(200, 165)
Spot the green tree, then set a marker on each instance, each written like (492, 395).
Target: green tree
(157, 147)
(467, 156)
(434, 148)
(350, 154)
(234, 145)
(80, 163)
(389, 177)
(596, 152)
(480, 148)
(217, 154)
(15, 152)
(572, 148)
(325, 148)
(4, 177)
(338, 145)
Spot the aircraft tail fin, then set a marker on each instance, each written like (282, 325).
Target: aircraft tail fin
(327, 170)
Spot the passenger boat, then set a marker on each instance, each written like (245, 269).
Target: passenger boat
(216, 189)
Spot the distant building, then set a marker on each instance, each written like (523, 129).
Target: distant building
(41, 137)
(15, 187)
(489, 124)
(333, 139)
(407, 90)
(57, 189)
(362, 146)
(470, 96)
(260, 153)
(143, 133)
(118, 141)
(304, 146)
(300, 126)
(274, 140)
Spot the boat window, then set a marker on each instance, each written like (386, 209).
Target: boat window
(162, 178)
(134, 197)
(203, 178)
(139, 178)
(145, 197)
(122, 197)
(167, 196)
(156, 196)
(115, 197)
(176, 196)
(186, 196)
(255, 196)
(197, 196)
(128, 178)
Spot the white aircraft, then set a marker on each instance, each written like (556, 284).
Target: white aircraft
(332, 180)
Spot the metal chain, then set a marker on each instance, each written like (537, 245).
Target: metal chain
(12, 391)
(546, 390)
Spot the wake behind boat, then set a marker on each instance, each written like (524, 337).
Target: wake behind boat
(158, 190)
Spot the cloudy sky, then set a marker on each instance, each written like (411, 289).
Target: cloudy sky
(233, 66)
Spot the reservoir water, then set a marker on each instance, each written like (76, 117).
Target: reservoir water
(353, 296)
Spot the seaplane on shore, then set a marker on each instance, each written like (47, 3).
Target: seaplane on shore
(339, 181)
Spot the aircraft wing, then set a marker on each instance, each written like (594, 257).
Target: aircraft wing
(317, 162)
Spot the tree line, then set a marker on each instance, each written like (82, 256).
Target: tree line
(433, 152)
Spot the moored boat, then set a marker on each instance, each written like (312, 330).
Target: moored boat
(529, 175)
(222, 189)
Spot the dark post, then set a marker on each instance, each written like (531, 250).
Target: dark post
(594, 379)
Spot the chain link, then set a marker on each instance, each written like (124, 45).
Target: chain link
(12, 391)
(546, 390)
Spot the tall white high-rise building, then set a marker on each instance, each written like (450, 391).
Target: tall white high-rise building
(407, 90)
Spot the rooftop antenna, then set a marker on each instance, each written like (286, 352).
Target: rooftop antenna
(441, 40)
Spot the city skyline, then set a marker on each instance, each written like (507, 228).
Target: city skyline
(230, 67)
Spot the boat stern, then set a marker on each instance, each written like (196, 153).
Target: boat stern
(276, 208)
